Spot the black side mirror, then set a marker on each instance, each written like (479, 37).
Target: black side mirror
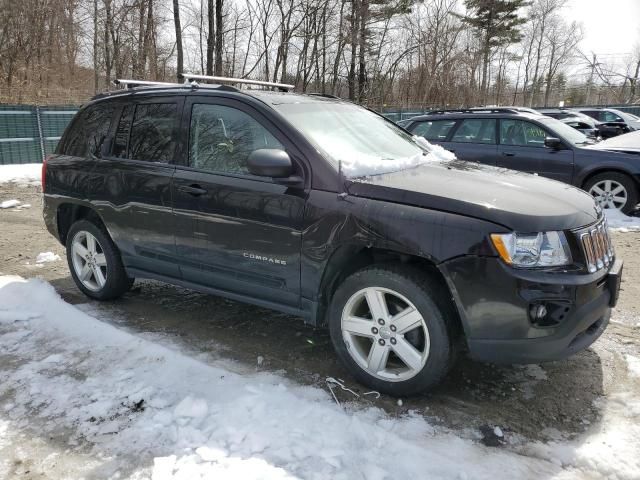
(554, 143)
(105, 148)
(270, 162)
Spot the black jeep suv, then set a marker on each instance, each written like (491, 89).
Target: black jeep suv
(534, 143)
(322, 209)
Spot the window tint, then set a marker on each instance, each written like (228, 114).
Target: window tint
(121, 138)
(151, 137)
(482, 130)
(434, 129)
(89, 131)
(222, 138)
(521, 133)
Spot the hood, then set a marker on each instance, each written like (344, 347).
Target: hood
(629, 142)
(519, 201)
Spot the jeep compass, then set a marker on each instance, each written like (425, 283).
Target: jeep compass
(322, 209)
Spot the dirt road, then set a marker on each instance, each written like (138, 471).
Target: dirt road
(536, 402)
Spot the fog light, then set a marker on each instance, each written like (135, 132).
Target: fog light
(538, 311)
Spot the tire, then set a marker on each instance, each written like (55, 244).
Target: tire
(402, 288)
(603, 186)
(104, 256)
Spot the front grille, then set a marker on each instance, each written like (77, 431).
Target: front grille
(596, 246)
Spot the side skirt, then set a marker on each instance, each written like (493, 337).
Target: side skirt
(306, 315)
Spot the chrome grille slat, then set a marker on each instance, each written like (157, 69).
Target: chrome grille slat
(596, 246)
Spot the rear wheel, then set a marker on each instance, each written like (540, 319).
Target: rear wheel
(95, 263)
(613, 190)
(390, 329)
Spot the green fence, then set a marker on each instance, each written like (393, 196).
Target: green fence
(28, 133)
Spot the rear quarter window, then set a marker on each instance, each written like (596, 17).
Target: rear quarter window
(88, 131)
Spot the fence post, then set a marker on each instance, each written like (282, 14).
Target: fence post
(40, 136)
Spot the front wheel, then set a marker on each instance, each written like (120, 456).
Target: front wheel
(95, 263)
(613, 190)
(390, 327)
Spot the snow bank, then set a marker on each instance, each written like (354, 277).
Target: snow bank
(9, 203)
(151, 410)
(46, 257)
(619, 222)
(22, 174)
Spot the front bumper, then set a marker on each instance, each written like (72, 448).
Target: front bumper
(495, 303)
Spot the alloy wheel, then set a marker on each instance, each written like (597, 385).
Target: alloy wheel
(89, 261)
(385, 334)
(609, 194)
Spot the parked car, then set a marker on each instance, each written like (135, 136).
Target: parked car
(584, 123)
(628, 143)
(322, 209)
(535, 143)
(611, 116)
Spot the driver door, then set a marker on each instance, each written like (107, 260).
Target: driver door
(235, 231)
(522, 148)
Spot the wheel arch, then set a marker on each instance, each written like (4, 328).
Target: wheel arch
(68, 213)
(604, 169)
(348, 259)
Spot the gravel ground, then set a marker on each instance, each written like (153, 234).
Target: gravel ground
(551, 401)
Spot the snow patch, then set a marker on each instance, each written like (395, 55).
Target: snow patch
(633, 365)
(23, 174)
(9, 203)
(153, 409)
(619, 222)
(46, 257)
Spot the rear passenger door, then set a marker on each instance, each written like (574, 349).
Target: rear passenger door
(131, 186)
(474, 140)
(236, 232)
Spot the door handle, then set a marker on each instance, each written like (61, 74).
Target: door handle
(195, 190)
(507, 154)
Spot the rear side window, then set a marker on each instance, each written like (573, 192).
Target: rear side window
(88, 131)
(481, 130)
(146, 132)
(610, 117)
(433, 130)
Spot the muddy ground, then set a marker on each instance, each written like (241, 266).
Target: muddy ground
(535, 402)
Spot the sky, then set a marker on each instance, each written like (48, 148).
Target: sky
(611, 27)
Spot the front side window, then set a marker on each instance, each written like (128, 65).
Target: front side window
(151, 138)
(610, 117)
(481, 130)
(433, 130)
(522, 133)
(221, 139)
(89, 131)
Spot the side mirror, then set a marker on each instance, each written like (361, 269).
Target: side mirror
(105, 148)
(270, 162)
(553, 143)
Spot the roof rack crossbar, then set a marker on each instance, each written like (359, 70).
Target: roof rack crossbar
(242, 81)
(144, 83)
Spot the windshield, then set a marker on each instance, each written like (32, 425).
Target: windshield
(354, 139)
(565, 132)
(626, 115)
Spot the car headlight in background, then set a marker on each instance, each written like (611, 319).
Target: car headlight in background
(544, 249)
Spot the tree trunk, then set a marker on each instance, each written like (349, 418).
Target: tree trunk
(95, 46)
(219, 32)
(176, 21)
(355, 23)
(362, 45)
(210, 36)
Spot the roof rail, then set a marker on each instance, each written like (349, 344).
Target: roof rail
(476, 110)
(325, 95)
(242, 81)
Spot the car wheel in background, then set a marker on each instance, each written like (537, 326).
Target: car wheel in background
(613, 190)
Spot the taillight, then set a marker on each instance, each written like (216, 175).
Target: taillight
(44, 171)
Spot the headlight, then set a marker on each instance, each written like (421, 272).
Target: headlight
(545, 249)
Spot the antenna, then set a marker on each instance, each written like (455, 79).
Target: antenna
(284, 87)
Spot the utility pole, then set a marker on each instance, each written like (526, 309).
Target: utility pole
(593, 65)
